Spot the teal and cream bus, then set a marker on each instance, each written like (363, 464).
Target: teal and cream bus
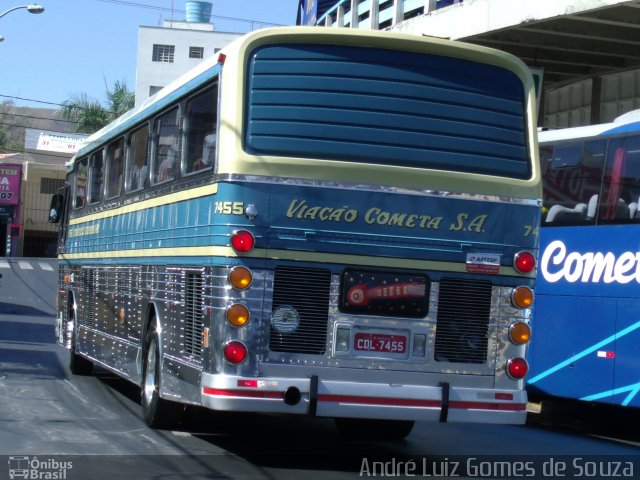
(316, 222)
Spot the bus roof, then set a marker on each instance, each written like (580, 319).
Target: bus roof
(627, 123)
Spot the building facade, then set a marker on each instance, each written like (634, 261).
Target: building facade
(165, 53)
(584, 52)
(27, 181)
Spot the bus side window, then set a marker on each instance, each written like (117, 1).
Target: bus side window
(200, 130)
(621, 184)
(80, 184)
(115, 167)
(571, 178)
(137, 159)
(167, 149)
(96, 168)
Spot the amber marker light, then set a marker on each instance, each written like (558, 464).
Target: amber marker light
(237, 315)
(240, 277)
(243, 241)
(522, 297)
(524, 262)
(517, 368)
(519, 333)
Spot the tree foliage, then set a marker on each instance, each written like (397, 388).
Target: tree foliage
(91, 115)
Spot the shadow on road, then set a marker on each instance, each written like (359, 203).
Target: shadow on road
(600, 420)
(27, 332)
(22, 310)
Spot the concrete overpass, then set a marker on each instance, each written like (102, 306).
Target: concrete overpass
(587, 50)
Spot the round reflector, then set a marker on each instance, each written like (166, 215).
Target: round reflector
(237, 315)
(240, 277)
(243, 241)
(235, 352)
(517, 368)
(522, 297)
(524, 262)
(519, 333)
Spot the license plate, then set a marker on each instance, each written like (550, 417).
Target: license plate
(380, 342)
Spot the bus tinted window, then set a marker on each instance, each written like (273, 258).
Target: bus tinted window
(378, 106)
(621, 184)
(80, 184)
(200, 130)
(167, 153)
(115, 167)
(96, 166)
(137, 159)
(572, 177)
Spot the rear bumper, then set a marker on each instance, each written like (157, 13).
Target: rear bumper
(317, 397)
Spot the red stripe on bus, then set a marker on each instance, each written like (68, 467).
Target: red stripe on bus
(241, 393)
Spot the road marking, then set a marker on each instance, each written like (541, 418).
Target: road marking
(4, 264)
(25, 265)
(46, 266)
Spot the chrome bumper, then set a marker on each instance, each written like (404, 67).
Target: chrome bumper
(328, 398)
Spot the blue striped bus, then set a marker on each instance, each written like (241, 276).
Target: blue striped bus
(587, 321)
(314, 222)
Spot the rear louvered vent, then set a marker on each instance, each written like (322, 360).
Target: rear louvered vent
(306, 290)
(464, 308)
(89, 299)
(193, 314)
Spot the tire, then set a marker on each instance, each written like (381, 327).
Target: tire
(78, 365)
(156, 411)
(373, 429)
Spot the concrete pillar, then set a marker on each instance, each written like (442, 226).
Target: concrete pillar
(374, 15)
(398, 11)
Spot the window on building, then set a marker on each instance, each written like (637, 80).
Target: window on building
(154, 89)
(196, 52)
(49, 186)
(163, 53)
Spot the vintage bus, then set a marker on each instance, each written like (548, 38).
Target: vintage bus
(587, 296)
(315, 222)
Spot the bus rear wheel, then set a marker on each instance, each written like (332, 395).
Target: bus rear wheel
(373, 429)
(156, 411)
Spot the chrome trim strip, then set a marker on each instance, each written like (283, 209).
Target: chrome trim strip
(233, 178)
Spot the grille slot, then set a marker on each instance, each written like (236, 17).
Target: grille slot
(88, 317)
(307, 290)
(193, 314)
(464, 308)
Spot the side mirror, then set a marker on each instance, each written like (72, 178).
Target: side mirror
(55, 210)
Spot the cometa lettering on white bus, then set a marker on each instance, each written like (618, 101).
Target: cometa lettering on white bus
(588, 267)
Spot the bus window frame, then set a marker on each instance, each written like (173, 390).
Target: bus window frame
(154, 149)
(108, 164)
(129, 157)
(90, 193)
(82, 161)
(185, 172)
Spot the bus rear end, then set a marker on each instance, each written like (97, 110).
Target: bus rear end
(379, 197)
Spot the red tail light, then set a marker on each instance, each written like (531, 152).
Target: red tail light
(243, 241)
(517, 368)
(524, 262)
(235, 352)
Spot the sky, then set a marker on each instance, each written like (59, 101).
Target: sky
(85, 46)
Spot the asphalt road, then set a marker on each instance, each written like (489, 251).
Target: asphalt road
(91, 427)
